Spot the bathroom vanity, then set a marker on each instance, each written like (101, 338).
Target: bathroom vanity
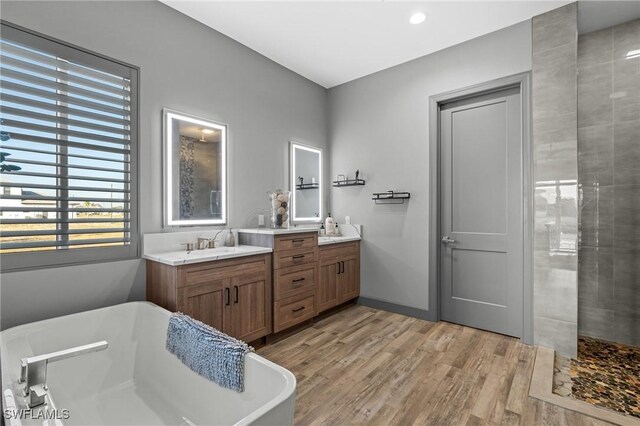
(274, 280)
(232, 295)
(310, 274)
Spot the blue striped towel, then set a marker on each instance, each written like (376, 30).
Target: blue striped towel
(207, 351)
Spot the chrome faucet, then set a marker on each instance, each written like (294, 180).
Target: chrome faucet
(33, 371)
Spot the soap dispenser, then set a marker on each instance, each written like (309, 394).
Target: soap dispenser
(329, 225)
(230, 240)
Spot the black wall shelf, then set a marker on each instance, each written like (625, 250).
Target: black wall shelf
(391, 197)
(348, 182)
(308, 186)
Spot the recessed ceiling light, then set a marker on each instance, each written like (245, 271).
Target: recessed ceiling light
(417, 18)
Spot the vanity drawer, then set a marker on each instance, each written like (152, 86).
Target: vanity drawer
(298, 241)
(295, 257)
(293, 310)
(339, 250)
(294, 280)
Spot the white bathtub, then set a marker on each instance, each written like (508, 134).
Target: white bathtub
(136, 381)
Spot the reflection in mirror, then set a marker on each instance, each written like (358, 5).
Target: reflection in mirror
(195, 175)
(306, 183)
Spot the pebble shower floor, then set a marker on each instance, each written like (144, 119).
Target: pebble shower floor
(605, 374)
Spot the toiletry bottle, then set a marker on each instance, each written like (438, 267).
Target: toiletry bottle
(230, 240)
(329, 225)
(336, 231)
(321, 231)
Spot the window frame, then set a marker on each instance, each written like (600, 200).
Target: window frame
(10, 262)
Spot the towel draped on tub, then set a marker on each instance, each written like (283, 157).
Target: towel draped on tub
(207, 351)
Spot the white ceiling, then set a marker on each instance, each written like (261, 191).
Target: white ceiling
(333, 42)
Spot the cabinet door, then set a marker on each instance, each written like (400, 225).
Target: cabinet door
(327, 290)
(349, 279)
(206, 302)
(249, 319)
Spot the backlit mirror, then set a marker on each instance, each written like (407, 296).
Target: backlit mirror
(306, 183)
(194, 170)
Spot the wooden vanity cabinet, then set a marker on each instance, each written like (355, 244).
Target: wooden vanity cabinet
(295, 279)
(339, 274)
(295, 274)
(232, 295)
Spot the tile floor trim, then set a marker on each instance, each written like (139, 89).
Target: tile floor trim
(542, 388)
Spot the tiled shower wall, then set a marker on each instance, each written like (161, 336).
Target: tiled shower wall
(609, 182)
(555, 263)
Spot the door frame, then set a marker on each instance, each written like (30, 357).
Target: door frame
(523, 81)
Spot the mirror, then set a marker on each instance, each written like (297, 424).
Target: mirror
(306, 183)
(195, 191)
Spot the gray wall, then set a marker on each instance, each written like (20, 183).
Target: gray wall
(184, 66)
(609, 178)
(380, 125)
(555, 255)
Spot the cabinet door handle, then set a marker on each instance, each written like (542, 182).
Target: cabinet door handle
(338, 263)
(342, 263)
(298, 309)
(227, 293)
(236, 288)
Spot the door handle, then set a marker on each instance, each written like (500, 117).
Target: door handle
(446, 240)
(342, 263)
(236, 288)
(227, 293)
(338, 263)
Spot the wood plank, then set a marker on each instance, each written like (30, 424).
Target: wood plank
(366, 366)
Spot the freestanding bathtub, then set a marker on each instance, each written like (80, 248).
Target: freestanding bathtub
(136, 381)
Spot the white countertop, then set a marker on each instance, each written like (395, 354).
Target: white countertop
(323, 241)
(277, 231)
(183, 257)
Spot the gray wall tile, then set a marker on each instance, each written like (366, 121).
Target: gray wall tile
(559, 335)
(596, 322)
(555, 28)
(609, 175)
(626, 86)
(555, 143)
(595, 48)
(626, 38)
(595, 155)
(595, 84)
(627, 216)
(626, 152)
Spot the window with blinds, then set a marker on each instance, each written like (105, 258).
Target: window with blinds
(67, 151)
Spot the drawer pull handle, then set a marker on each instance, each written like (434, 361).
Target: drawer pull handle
(298, 280)
(297, 241)
(298, 309)
(298, 256)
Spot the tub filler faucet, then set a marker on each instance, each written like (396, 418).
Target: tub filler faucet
(33, 371)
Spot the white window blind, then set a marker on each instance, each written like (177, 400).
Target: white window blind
(68, 153)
